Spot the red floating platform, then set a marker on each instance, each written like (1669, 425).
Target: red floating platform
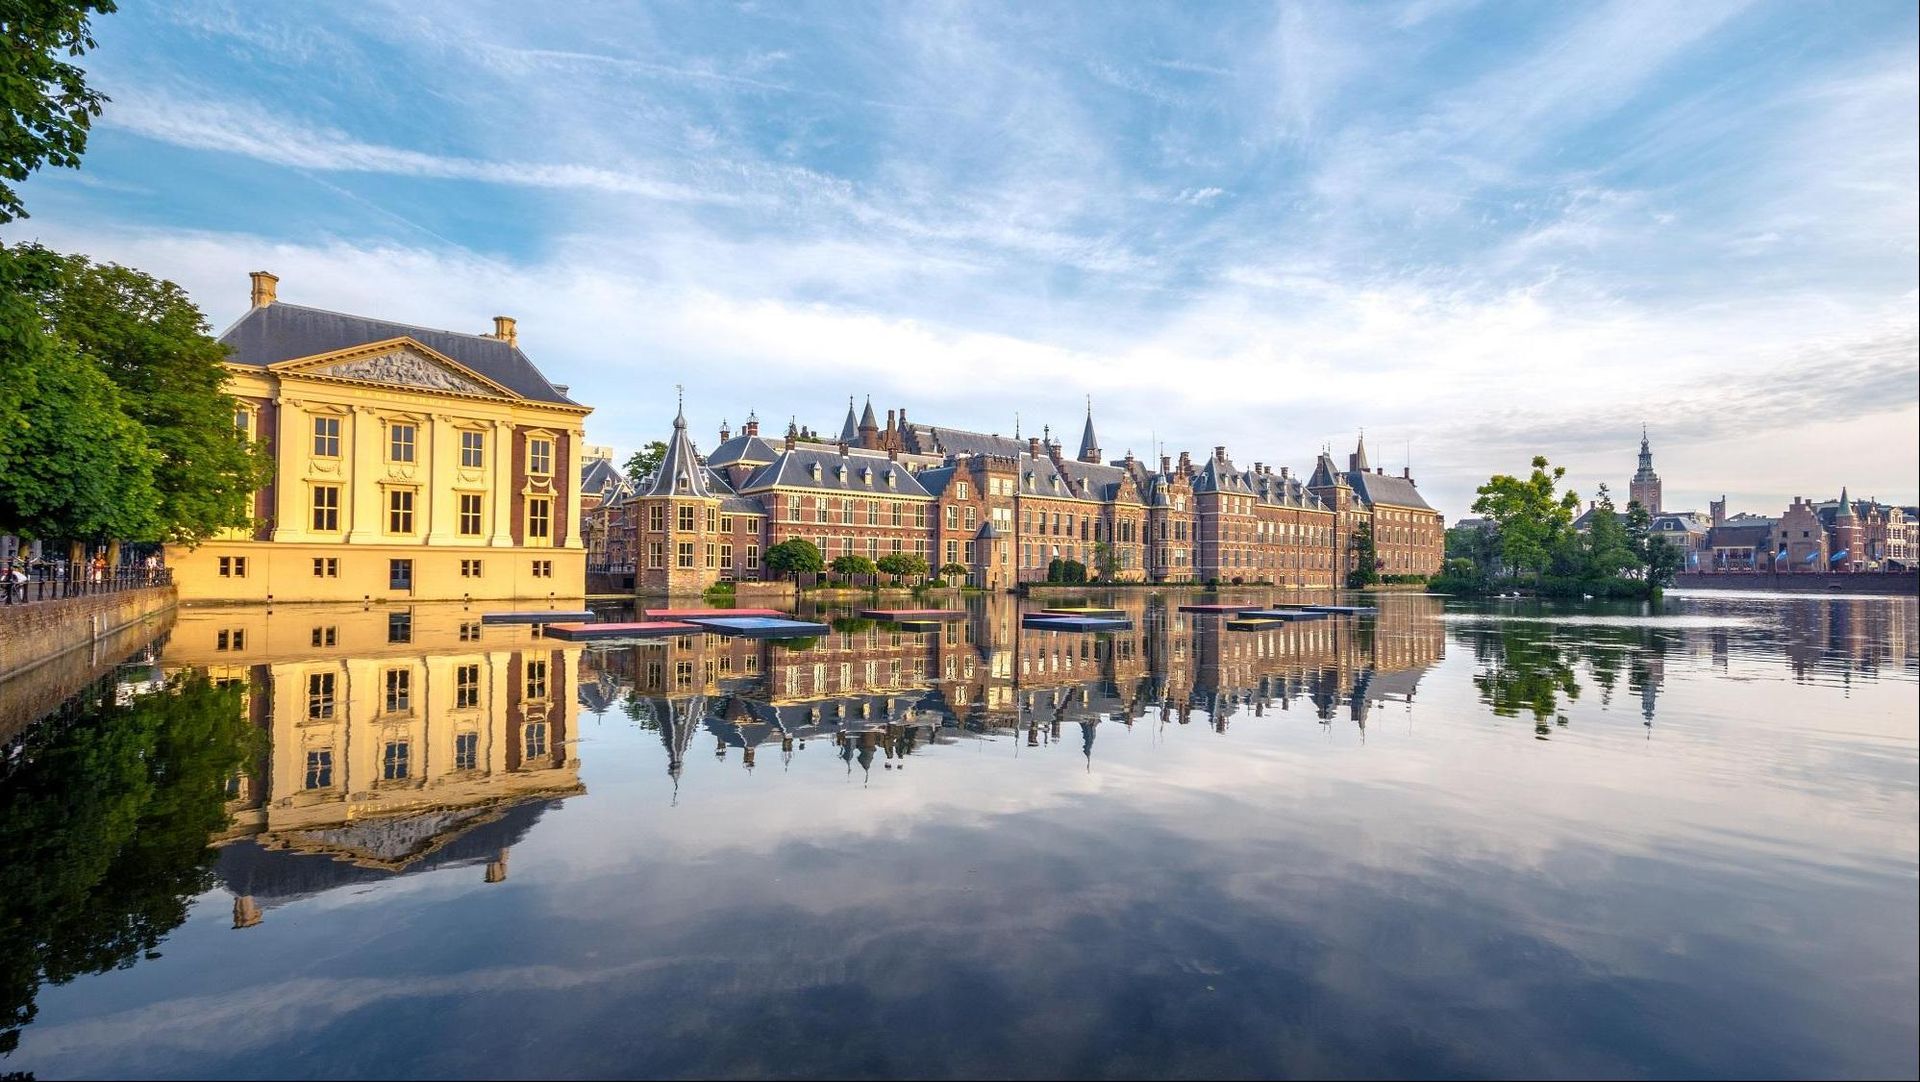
(648, 629)
(685, 614)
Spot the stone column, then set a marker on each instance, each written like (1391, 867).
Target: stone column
(443, 449)
(362, 477)
(572, 476)
(295, 445)
(501, 487)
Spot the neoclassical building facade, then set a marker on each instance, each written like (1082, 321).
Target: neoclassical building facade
(1001, 508)
(409, 464)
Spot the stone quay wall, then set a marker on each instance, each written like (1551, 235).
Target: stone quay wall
(36, 633)
(1902, 584)
(41, 677)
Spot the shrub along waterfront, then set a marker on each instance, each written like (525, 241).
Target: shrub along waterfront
(1526, 541)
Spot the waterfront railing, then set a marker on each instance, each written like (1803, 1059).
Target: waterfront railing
(54, 584)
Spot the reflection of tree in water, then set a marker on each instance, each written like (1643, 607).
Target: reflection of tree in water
(1526, 672)
(105, 813)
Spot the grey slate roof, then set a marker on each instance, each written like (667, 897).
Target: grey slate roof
(279, 332)
(935, 480)
(600, 476)
(1088, 445)
(681, 472)
(850, 431)
(743, 451)
(808, 467)
(926, 439)
(1377, 488)
(1103, 482)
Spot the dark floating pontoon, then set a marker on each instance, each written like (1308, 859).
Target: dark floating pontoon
(547, 616)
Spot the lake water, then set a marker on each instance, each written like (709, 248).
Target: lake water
(1447, 839)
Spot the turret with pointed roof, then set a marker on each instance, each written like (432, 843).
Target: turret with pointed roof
(680, 472)
(1089, 445)
(850, 431)
(1357, 463)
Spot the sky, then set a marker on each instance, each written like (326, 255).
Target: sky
(1478, 231)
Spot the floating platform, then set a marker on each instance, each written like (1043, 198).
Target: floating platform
(1255, 623)
(1217, 610)
(1344, 610)
(547, 616)
(648, 630)
(1283, 615)
(920, 616)
(1047, 622)
(685, 614)
(1086, 612)
(776, 626)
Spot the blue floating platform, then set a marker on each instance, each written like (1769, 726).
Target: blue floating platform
(542, 616)
(758, 627)
(1075, 623)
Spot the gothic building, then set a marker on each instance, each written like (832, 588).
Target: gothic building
(1644, 489)
(1002, 508)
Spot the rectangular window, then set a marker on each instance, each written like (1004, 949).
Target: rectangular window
(896, 514)
(319, 768)
(536, 679)
(326, 508)
(539, 519)
(325, 636)
(657, 518)
(235, 639)
(469, 569)
(473, 449)
(399, 574)
(466, 751)
(469, 514)
(466, 687)
(685, 554)
(713, 555)
(399, 690)
(319, 696)
(726, 523)
(713, 518)
(400, 625)
(543, 569)
(400, 442)
(656, 555)
(326, 567)
(326, 437)
(540, 457)
(753, 557)
(726, 557)
(394, 760)
(686, 519)
(470, 631)
(533, 743)
(400, 510)
(233, 567)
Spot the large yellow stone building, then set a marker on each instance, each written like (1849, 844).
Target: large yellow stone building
(410, 464)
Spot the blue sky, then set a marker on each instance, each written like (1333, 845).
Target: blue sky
(1477, 230)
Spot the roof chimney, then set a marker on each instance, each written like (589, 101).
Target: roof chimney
(265, 284)
(1286, 472)
(1033, 446)
(503, 330)
(1166, 464)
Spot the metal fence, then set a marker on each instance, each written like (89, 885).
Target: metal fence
(54, 583)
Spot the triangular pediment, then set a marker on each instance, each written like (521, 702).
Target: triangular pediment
(397, 362)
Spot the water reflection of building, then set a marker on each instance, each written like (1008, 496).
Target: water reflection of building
(395, 739)
(876, 692)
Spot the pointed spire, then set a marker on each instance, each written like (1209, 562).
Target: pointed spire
(867, 419)
(1359, 464)
(850, 431)
(1845, 510)
(680, 472)
(1089, 444)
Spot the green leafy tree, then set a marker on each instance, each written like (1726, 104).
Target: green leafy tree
(903, 565)
(46, 107)
(794, 557)
(1609, 551)
(73, 464)
(1366, 558)
(1531, 517)
(642, 463)
(954, 571)
(147, 336)
(1106, 560)
(1658, 559)
(848, 566)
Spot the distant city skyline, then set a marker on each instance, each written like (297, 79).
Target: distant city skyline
(1477, 231)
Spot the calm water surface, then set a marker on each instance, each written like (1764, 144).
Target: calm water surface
(1506, 840)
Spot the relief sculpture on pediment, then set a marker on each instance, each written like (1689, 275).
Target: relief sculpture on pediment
(407, 370)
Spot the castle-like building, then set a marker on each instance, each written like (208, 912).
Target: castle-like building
(1004, 509)
(409, 464)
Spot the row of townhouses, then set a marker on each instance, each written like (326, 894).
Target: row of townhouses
(414, 463)
(1004, 509)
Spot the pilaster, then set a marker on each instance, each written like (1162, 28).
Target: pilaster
(294, 447)
(444, 454)
(363, 467)
(500, 489)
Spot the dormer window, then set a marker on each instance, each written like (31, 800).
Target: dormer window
(840, 473)
(893, 481)
(813, 470)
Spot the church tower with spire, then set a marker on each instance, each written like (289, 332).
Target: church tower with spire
(1089, 444)
(1644, 489)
